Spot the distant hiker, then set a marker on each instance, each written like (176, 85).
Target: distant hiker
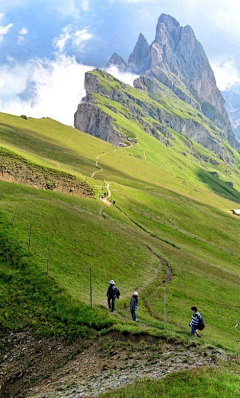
(112, 293)
(134, 306)
(197, 322)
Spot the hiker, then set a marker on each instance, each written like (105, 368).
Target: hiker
(112, 293)
(134, 306)
(197, 322)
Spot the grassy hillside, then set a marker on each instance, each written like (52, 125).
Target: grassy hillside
(210, 383)
(170, 209)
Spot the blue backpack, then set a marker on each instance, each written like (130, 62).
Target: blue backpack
(201, 324)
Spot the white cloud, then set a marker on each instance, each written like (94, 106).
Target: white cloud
(23, 31)
(57, 88)
(225, 72)
(4, 30)
(1, 16)
(75, 38)
(21, 36)
(85, 5)
(80, 37)
(60, 41)
(125, 77)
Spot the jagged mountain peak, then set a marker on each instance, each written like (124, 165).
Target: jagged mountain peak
(167, 25)
(117, 61)
(139, 60)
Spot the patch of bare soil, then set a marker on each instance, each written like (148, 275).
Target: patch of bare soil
(30, 367)
(13, 168)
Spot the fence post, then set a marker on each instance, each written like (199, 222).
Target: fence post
(165, 309)
(14, 214)
(90, 280)
(30, 235)
(47, 256)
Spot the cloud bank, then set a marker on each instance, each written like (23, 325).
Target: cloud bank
(226, 72)
(125, 77)
(43, 88)
(47, 88)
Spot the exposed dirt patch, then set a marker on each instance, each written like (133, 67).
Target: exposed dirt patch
(33, 367)
(14, 168)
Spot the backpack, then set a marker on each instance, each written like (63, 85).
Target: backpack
(116, 292)
(201, 324)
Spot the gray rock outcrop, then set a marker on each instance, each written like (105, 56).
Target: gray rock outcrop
(91, 119)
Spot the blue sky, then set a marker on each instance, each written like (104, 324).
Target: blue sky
(114, 25)
(38, 32)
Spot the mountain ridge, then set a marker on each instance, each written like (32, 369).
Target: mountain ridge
(177, 59)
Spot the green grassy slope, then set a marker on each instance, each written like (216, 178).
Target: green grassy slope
(165, 200)
(209, 383)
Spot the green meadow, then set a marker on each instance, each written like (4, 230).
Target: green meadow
(167, 200)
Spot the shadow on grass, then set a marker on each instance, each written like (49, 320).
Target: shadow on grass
(218, 186)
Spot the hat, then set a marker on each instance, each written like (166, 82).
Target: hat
(135, 294)
(111, 282)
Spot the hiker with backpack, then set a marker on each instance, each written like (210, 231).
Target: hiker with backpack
(197, 322)
(134, 305)
(112, 293)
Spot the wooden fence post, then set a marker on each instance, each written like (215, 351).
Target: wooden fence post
(14, 214)
(47, 256)
(165, 309)
(90, 280)
(29, 238)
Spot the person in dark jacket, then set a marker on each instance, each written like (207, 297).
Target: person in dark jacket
(134, 305)
(111, 295)
(195, 322)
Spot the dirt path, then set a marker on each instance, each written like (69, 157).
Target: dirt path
(97, 162)
(109, 194)
(109, 364)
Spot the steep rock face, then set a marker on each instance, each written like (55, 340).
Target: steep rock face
(176, 50)
(140, 60)
(91, 119)
(189, 127)
(117, 61)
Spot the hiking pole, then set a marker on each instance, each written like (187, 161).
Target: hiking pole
(165, 309)
(30, 235)
(90, 280)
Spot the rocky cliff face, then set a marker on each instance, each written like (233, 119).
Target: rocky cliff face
(91, 119)
(177, 59)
